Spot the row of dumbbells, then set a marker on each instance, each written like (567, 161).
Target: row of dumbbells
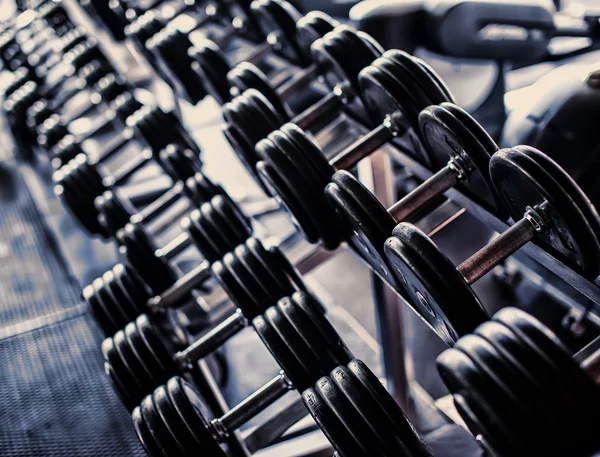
(433, 126)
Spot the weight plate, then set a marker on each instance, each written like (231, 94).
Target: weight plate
(368, 223)
(437, 291)
(309, 187)
(102, 290)
(119, 388)
(485, 401)
(523, 183)
(310, 151)
(303, 356)
(349, 416)
(124, 379)
(566, 182)
(146, 357)
(309, 333)
(338, 435)
(101, 314)
(133, 287)
(446, 138)
(155, 344)
(246, 76)
(158, 429)
(200, 189)
(133, 364)
(247, 281)
(179, 163)
(388, 406)
(309, 28)
(214, 231)
(435, 77)
(194, 226)
(273, 173)
(122, 311)
(175, 424)
(274, 269)
(114, 212)
(377, 423)
(237, 221)
(211, 65)
(472, 126)
(234, 290)
(144, 435)
(268, 288)
(279, 349)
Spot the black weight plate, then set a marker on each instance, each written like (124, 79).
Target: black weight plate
(336, 432)
(309, 332)
(108, 300)
(237, 221)
(287, 360)
(246, 76)
(436, 77)
(193, 225)
(348, 415)
(525, 416)
(524, 183)
(311, 195)
(144, 434)
(179, 163)
(130, 393)
(367, 221)
(312, 26)
(175, 424)
(482, 398)
(387, 88)
(212, 66)
(247, 281)
(474, 127)
(200, 189)
(192, 411)
(306, 306)
(436, 289)
(377, 423)
(263, 279)
(310, 151)
(113, 211)
(285, 266)
(447, 137)
(234, 290)
(123, 311)
(155, 344)
(158, 429)
(226, 226)
(422, 75)
(132, 287)
(146, 357)
(566, 182)
(274, 268)
(245, 153)
(119, 388)
(273, 174)
(568, 375)
(279, 18)
(213, 230)
(100, 312)
(296, 345)
(136, 368)
(380, 396)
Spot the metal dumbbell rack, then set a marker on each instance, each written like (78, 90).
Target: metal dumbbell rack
(377, 173)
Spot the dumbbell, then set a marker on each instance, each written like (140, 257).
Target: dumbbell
(519, 390)
(340, 54)
(42, 60)
(359, 417)
(296, 333)
(216, 228)
(293, 167)
(187, 66)
(547, 207)
(89, 75)
(19, 77)
(80, 181)
(223, 82)
(456, 144)
(56, 126)
(254, 278)
(115, 211)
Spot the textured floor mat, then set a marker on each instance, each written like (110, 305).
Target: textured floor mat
(55, 399)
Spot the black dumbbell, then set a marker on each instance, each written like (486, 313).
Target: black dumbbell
(115, 211)
(223, 83)
(547, 207)
(254, 278)
(296, 333)
(457, 145)
(296, 170)
(359, 417)
(519, 390)
(210, 68)
(340, 55)
(216, 228)
(56, 126)
(80, 181)
(87, 77)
